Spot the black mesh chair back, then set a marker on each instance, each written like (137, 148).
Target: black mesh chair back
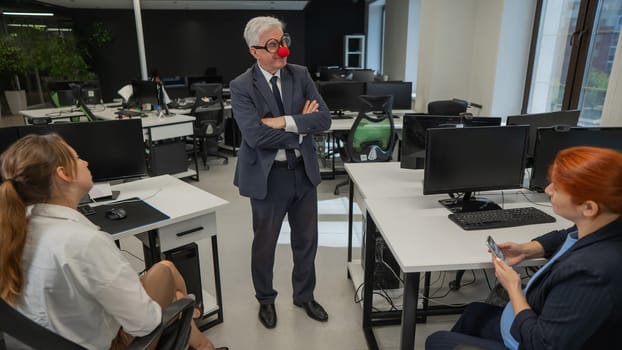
(447, 107)
(209, 125)
(372, 136)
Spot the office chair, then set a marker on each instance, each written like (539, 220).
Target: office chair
(447, 107)
(209, 111)
(372, 135)
(173, 333)
(62, 98)
(363, 75)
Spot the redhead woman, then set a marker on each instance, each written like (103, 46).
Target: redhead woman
(574, 301)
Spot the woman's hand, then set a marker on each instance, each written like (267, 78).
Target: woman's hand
(511, 281)
(513, 252)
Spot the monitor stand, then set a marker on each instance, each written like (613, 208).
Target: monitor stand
(468, 203)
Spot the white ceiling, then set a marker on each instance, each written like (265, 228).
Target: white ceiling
(293, 5)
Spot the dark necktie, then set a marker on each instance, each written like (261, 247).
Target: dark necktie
(289, 153)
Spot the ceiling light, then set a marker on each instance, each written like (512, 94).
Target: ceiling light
(41, 14)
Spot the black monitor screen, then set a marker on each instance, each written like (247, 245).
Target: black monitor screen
(145, 91)
(114, 148)
(465, 160)
(540, 120)
(401, 91)
(414, 131)
(549, 141)
(342, 95)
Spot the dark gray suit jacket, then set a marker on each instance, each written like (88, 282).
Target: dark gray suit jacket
(577, 302)
(252, 99)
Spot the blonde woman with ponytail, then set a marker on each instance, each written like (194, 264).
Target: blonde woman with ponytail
(58, 268)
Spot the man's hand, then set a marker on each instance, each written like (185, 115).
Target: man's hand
(310, 107)
(275, 123)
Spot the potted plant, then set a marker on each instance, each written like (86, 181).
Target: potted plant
(13, 61)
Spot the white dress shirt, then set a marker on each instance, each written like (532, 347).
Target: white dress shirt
(290, 124)
(78, 284)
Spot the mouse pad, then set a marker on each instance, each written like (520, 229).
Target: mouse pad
(138, 213)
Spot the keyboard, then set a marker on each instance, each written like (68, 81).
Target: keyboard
(341, 117)
(129, 113)
(481, 220)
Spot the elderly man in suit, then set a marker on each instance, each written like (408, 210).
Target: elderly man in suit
(278, 108)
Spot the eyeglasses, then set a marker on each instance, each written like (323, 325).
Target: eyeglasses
(273, 45)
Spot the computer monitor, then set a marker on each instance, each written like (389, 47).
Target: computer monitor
(540, 120)
(114, 148)
(401, 91)
(466, 160)
(145, 92)
(341, 95)
(549, 141)
(414, 130)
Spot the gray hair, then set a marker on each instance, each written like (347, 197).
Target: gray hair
(259, 25)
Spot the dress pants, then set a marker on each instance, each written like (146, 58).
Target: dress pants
(289, 192)
(477, 328)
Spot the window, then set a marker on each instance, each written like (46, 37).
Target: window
(572, 57)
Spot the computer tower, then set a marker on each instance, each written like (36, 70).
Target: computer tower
(385, 265)
(168, 158)
(186, 259)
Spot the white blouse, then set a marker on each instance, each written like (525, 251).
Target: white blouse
(78, 284)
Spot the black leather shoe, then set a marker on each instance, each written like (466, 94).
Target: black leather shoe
(267, 315)
(314, 310)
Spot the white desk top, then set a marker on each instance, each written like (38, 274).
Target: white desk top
(63, 112)
(108, 113)
(346, 124)
(173, 197)
(151, 121)
(385, 179)
(422, 238)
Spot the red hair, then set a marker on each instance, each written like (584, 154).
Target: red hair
(590, 173)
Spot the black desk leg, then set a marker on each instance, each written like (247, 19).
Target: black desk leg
(154, 249)
(217, 277)
(409, 313)
(207, 321)
(334, 150)
(368, 287)
(350, 219)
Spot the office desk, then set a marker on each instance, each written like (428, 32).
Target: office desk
(377, 180)
(192, 218)
(422, 238)
(62, 113)
(155, 129)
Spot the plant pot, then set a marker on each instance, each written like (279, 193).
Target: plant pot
(16, 100)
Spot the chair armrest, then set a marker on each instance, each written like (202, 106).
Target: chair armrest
(170, 315)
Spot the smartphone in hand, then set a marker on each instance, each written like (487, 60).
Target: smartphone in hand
(494, 249)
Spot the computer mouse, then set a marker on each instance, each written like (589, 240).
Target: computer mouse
(116, 214)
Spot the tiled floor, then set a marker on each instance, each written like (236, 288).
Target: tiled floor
(241, 329)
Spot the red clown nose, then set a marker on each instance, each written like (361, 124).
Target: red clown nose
(283, 51)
